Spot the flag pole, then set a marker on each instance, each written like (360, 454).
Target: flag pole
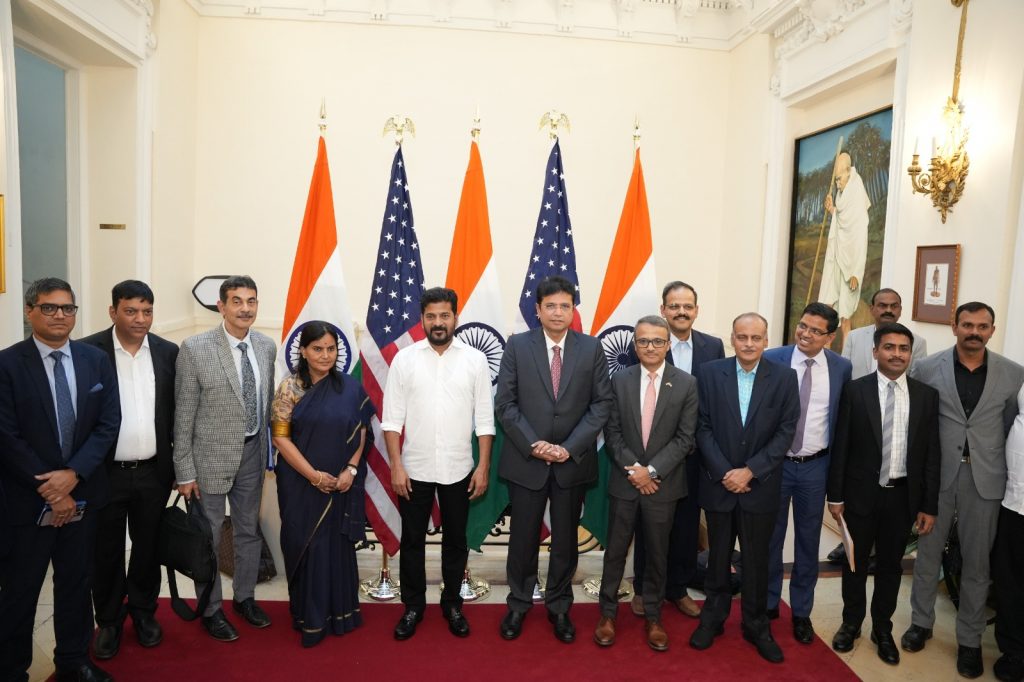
(399, 125)
(821, 231)
(323, 116)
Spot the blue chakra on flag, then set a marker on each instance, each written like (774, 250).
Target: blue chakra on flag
(486, 340)
(292, 350)
(617, 343)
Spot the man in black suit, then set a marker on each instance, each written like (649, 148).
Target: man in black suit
(553, 399)
(689, 350)
(59, 415)
(649, 435)
(884, 475)
(749, 407)
(140, 468)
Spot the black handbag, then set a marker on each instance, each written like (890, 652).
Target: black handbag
(186, 546)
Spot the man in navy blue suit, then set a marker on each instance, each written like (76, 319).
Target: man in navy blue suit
(822, 375)
(59, 416)
(689, 350)
(749, 407)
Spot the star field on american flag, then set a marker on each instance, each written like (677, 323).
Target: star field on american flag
(398, 276)
(553, 250)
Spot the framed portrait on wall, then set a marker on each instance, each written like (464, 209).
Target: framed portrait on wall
(837, 222)
(936, 279)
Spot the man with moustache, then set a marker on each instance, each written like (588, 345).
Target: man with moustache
(858, 348)
(884, 475)
(224, 386)
(553, 399)
(749, 408)
(140, 467)
(649, 436)
(437, 390)
(59, 416)
(977, 404)
(689, 350)
(822, 375)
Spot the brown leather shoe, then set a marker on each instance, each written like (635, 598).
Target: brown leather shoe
(657, 638)
(636, 605)
(687, 606)
(604, 635)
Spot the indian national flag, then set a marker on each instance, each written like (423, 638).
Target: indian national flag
(629, 292)
(317, 289)
(472, 275)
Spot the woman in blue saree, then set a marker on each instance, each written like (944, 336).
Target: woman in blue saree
(320, 417)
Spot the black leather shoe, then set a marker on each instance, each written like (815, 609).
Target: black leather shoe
(251, 611)
(147, 630)
(457, 623)
(512, 624)
(968, 661)
(107, 642)
(773, 614)
(219, 627)
(803, 631)
(887, 650)
(704, 636)
(406, 627)
(845, 637)
(1009, 668)
(565, 631)
(915, 637)
(87, 672)
(766, 646)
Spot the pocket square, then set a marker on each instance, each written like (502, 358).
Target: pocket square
(96, 389)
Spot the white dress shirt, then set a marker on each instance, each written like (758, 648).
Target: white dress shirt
(1013, 499)
(236, 354)
(438, 399)
(136, 383)
(900, 417)
(816, 422)
(69, 370)
(551, 345)
(682, 353)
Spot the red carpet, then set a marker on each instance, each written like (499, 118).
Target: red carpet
(371, 653)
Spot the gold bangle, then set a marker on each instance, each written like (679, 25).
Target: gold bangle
(319, 481)
(280, 429)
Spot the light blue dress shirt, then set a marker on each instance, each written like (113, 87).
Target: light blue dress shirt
(69, 369)
(745, 382)
(682, 354)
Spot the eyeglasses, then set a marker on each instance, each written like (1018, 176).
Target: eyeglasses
(817, 332)
(50, 309)
(657, 343)
(676, 307)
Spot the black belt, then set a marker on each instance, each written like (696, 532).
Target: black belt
(896, 483)
(135, 463)
(249, 438)
(808, 458)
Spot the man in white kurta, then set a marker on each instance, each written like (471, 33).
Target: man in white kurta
(845, 256)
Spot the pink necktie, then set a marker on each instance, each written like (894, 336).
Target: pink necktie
(556, 369)
(650, 398)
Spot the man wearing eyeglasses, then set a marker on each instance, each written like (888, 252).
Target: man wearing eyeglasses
(858, 348)
(822, 375)
(59, 416)
(649, 435)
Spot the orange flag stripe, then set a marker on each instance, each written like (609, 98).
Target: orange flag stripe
(317, 240)
(471, 243)
(630, 251)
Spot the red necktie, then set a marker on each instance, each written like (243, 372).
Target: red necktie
(556, 369)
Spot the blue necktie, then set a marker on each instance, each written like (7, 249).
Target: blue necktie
(65, 408)
(252, 419)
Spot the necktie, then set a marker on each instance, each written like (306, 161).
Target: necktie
(65, 408)
(556, 369)
(650, 400)
(252, 420)
(887, 417)
(805, 401)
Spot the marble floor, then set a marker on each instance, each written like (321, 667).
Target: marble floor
(936, 663)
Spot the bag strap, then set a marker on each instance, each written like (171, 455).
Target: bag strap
(180, 606)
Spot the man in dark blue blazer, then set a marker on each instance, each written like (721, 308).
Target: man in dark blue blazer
(749, 407)
(822, 375)
(59, 416)
(689, 350)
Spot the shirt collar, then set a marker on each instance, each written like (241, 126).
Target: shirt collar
(551, 344)
(659, 373)
(233, 341)
(743, 372)
(44, 350)
(801, 356)
(901, 382)
(424, 344)
(676, 342)
(956, 359)
(119, 347)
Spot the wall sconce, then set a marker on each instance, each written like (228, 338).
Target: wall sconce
(947, 173)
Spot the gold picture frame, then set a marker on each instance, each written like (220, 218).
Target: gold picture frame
(3, 253)
(936, 283)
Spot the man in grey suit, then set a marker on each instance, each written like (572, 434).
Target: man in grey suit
(977, 404)
(553, 399)
(886, 308)
(649, 434)
(222, 409)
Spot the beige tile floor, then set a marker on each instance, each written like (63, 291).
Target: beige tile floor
(936, 663)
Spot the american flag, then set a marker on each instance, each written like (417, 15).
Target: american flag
(553, 250)
(393, 322)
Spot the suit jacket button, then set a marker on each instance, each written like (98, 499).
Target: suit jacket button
(743, 442)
